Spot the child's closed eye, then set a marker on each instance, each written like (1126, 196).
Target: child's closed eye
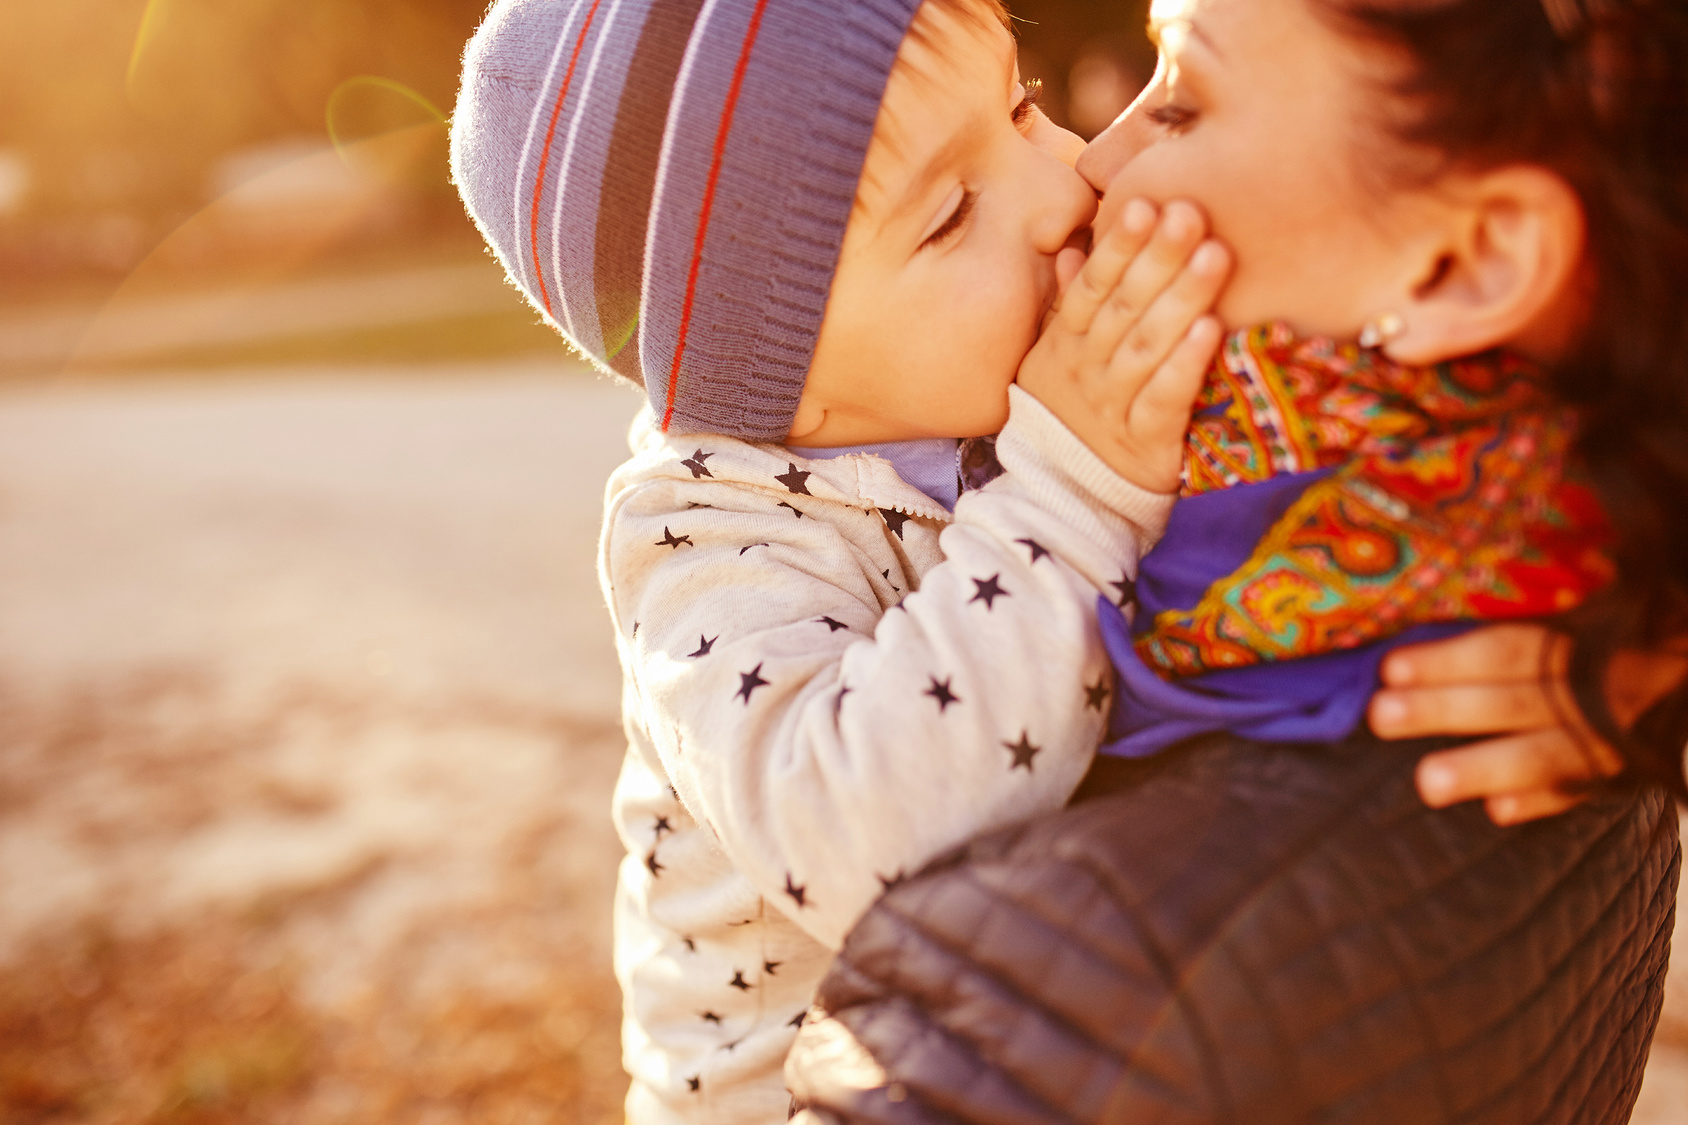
(953, 223)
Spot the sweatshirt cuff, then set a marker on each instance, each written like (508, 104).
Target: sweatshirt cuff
(1039, 450)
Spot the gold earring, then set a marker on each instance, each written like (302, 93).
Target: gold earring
(1379, 332)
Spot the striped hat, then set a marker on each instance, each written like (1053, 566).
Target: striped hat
(669, 180)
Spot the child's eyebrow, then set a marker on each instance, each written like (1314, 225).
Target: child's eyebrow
(934, 161)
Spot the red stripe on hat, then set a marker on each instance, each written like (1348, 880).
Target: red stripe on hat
(721, 134)
(545, 153)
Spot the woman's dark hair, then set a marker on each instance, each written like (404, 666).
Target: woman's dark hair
(1604, 104)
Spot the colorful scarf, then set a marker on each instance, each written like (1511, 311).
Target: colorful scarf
(1354, 500)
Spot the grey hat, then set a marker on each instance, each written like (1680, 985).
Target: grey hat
(669, 181)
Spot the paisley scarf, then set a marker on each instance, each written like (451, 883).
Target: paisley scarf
(1338, 504)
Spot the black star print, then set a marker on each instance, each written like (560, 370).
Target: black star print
(1096, 694)
(695, 464)
(894, 520)
(635, 628)
(799, 895)
(1127, 590)
(662, 826)
(989, 589)
(1023, 752)
(749, 682)
(886, 574)
(711, 1017)
(742, 550)
(668, 540)
(769, 967)
(691, 946)
(746, 922)
(695, 507)
(887, 884)
(797, 1020)
(673, 792)
(656, 869)
(831, 625)
(795, 481)
(1038, 550)
(694, 1083)
(739, 982)
(942, 693)
(704, 644)
(794, 511)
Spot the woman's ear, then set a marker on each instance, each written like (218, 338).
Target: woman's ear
(1506, 271)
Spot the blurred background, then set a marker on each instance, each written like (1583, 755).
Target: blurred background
(308, 706)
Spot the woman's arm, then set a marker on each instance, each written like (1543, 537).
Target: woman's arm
(1512, 678)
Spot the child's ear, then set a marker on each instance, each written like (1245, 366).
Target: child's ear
(810, 416)
(1506, 271)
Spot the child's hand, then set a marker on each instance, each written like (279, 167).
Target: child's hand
(1511, 678)
(1127, 346)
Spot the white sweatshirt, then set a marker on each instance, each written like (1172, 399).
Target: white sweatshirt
(827, 682)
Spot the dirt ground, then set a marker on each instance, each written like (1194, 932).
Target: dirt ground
(307, 732)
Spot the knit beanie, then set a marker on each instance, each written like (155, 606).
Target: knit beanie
(669, 180)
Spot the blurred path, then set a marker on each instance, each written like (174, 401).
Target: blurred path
(307, 732)
(243, 314)
(308, 723)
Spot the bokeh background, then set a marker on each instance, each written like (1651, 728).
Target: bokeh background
(307, 699)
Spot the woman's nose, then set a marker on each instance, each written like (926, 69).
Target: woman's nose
(1104, 157)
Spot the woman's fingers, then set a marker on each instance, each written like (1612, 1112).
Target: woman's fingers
(1519, 808)
(1113, 253)
(1465, 709)
(1521, 763)
(1497, 654)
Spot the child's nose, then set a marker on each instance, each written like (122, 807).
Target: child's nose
(1066, 204)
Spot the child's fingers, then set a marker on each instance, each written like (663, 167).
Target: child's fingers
(1167, 321)
(1160, 414)
(1162, 262)
(1113, 252)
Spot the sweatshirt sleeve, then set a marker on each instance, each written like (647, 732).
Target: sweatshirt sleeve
(833, 746)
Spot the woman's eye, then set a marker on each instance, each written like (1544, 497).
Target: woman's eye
(1023, 112)
(949, 226)
(1173, 118)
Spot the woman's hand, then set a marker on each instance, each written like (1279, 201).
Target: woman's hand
(1511, 678)
(1126, 348)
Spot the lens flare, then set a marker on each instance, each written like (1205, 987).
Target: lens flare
(152, 19)
(341, 131)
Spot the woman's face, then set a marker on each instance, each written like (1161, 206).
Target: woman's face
(1263, 113)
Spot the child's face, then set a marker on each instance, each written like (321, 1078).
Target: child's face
(948, 264)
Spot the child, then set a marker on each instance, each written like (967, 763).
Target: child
(813, 644)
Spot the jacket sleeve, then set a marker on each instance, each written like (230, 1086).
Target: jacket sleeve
(833, 746)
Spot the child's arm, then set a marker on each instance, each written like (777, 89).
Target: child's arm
(1124, 353)
(833, 745)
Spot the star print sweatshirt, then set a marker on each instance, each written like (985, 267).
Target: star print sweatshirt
(827, 681)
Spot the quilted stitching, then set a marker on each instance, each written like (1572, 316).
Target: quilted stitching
(1263, 935)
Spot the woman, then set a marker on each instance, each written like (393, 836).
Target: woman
(1232, 931)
